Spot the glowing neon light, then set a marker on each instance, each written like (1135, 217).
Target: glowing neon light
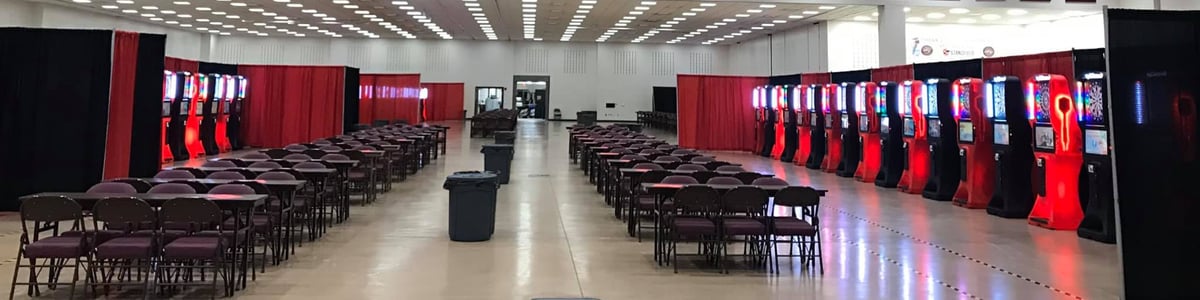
(809, 99)
(860, 98)
(1139, 103)
(754, 98)
(825, 99)
(1079, 100)
(987, 105)
(242, 81)
(1029, 91)
(796, 105)
(955, 100)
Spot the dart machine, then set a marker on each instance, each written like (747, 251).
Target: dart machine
(916, 144)
(943, 145)
(1012, 148)
(766, 120)
(207, 110)
(170, 93)
(791, 139)
(977, 168)
(1095, 186)
(801, 101)
(1058, 153)
(818, 99)
(869, 108)
(848, 114)
(832, 106)
(780, 110)
(891, 140)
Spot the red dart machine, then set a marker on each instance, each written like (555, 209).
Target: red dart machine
(1058, 152)
(170, 92)
(978, 168)
(801, 101)
(194, 110)
(869, 108)
(225, 102)
(779, 108)
(766, 134)
(916, 164)
(833, 132)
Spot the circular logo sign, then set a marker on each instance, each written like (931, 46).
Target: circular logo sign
(989, 51)
(926, 50)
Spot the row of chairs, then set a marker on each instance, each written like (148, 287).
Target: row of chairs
(655, 119)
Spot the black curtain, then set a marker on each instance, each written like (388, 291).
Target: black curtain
(1153, 58)
(793, 79)
(350, 106)
(216, 68)
(54, 87)
(1088, 60)
(949, 70)
(850, 76)
(664, 99)
(145, 135)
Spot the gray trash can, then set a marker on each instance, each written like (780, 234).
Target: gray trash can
(506, 137)
(498, 158)
(472, 205)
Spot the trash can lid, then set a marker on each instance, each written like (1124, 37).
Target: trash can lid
(471, 178)
(496, 148)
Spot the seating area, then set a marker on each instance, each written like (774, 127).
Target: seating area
(206, 231)
(657, 120)
(679, 196)
(485, 123)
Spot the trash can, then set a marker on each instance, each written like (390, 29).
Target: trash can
(472, 205)
(498, 158)
(506, 137)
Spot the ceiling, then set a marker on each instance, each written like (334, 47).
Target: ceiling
(974, 15)
(632, 21)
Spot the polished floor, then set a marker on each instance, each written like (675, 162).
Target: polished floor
(555, 238)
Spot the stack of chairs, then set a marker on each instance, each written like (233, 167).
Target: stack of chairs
(655, 119)
(485, 123)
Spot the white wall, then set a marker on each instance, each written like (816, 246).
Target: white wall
(583, 76)
(180, 43)
(798, 50)
(853, 46)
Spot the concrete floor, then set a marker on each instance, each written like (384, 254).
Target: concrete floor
(556, 238)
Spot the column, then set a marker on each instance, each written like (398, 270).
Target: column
(892, 39)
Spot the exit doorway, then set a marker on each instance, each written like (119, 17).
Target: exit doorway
(531, 96)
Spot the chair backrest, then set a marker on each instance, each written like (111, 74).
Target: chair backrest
(174, 174)
(745, 200)
(650, 151)
(633, 157)
(141, 185)
(769, 181)
(653, 176)
(256, 155)
(697, 199)
(297, 156)
(295, 147)
(310, 165)
(747, 177)
(277, 153)
(703, 159)
(266, 165)
(191, 213)
(364, 147)
(331, 148)
(258, 188)
(691, 167)
(354, 143)
(648, 166)
(335, 156)
(679, 179)
(730, 169)
(124, 212)
(276, 175)
(322, 143)
(226, 175)
(724, 180)
(232, 189)
(713, 165)
(172, 188)
(668, 159)
(219, 164)
(113, 187)
(797, 196)
(51, 209)
(681, 152)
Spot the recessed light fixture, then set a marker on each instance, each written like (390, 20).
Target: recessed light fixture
(689, 14)
(203, 8)
(826, 7)
(110, 7)
(754, 11)
(810, 12)
(741, 15)
(1017, 12)
(959, 10)
(699, 9)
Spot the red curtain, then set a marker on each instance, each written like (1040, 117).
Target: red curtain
(815, 78)
(291, 104)
(178, 64)
(893, 73)
(120, 104)
(715, 112)
(1025, 66)
(389, 97)
(444, 102)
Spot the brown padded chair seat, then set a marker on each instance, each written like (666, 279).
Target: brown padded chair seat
(739, 226)
(56, 247)
(792, 226)
(193, 247)
(693, 226)
(126, 247)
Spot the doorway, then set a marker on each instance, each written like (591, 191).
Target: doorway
(488, 98)
(531, 96)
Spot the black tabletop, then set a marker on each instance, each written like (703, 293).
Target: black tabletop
(225, 201)
(671, 188)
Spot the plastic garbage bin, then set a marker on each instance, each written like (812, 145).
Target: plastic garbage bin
(472, 205)
(506, 137)
(498, 158)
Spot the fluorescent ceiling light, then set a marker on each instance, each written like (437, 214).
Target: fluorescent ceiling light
(935, 15)
(689, 14)
(754, 11)
(1017, 12)
(959, 10)
(795, 17)
(741, 15)
(826, 7)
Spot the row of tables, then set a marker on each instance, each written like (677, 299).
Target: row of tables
(423, 146)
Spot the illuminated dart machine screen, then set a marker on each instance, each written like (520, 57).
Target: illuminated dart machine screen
(845, 92)
(170, 91)
(243, 84)
(1038, 97)
(931, 108)
(189, 91)
(218, 92)
(231, 86)
(798, 105)
(962, 109)
(995, 90)
(907, 89)
(829, 99)
(861, 106)
(881, 101)
(814, 93)
(1090, 103)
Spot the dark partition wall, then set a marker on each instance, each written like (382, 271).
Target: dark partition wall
(54, 89)
(146, 132)
(850, 76)
(216, 68)
(793, 79)
(949, 70)
(1089, 60)
(664, 99)
(350, 108)
(1152, 59)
